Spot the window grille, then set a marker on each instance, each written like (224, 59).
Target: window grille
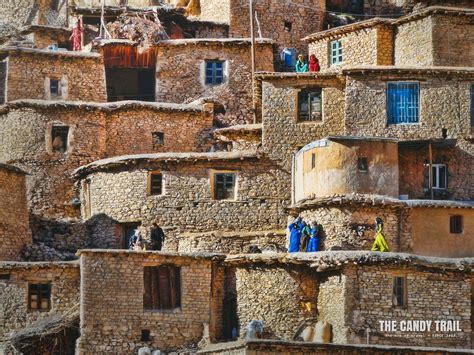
(403, 102)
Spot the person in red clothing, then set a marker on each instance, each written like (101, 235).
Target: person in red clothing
(314, 63)
(76, 35)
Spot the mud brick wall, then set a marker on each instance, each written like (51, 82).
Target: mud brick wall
(14, 225)
(185, 59)
(187, 204)
(371, 290)
(215, 11)
(28, 73)
(14, 314)
(306, 17)
(280, 297)
(369, 46)
(112, 316)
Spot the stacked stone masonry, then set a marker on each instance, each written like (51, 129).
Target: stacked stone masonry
(14, 226)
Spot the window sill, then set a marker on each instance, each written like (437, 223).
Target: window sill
(163, 311)
(309, 122)
(39, 310)
(403, 124)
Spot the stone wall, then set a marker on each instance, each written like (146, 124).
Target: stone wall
(29, 72)
(14, 314)
(282, 297)
(431, 235)
(304, 17)
(187, 204)
(372, 286)
(441, 96)
(282, 134)
(44, 38)
(186, 59)
(112, 316)
(414, 43)
(95, 132)
(352, 227)
(385, 7)
(14, 226)
(365, 46)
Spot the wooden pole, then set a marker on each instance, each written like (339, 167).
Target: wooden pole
(431, 170)
(252, 36)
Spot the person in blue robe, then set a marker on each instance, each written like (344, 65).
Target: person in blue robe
(295, 236)
(313, 243)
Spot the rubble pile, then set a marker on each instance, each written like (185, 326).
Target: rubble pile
(42, 252)
(138, 29)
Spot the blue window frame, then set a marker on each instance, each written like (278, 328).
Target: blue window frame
(336, 52)
(403, 102)
(214, 72)
(472, 105)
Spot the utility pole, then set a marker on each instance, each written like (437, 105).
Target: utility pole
(252, 36)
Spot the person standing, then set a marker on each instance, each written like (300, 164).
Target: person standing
(380, 244)
(157, 237)
(313, 243)
(295, 236)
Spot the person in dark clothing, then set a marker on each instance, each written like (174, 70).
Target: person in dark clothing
(157, 237)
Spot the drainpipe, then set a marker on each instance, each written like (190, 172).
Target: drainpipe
(431, 170)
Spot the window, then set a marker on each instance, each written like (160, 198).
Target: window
(472, 105)
(5, 277)
(403, 102)
(439, 174)
(39, 297)
(214, 72)
(54, 87)
(310, 105)
(162, 287)
(224, 186)
(362, 164)
(455, 224)
(399, 296)
(59, 138)
(288, 26)
(158, 139)
(336, 52)
(145, 335)
(155, 183)
(313, 161)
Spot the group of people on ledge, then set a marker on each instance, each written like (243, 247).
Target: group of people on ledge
(303, 67)
(157, 239)
(304, 238)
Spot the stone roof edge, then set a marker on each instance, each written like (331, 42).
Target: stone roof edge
(444, 10)
(258, 344)
(210, 41)
(393, 69)
(197, 255)
(47, 28)
(12, 265)
(37, 51)
(334, 260)
(375, 200)
(260, 76)
(104, 106)
(127, 160)
(256, 127)
(12, 168)
(333, 32)
(362, 138)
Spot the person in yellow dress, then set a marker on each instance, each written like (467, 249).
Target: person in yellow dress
(380, 244)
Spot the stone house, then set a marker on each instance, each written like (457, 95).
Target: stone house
(31, 292)
(177, 301)
(14, 222)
